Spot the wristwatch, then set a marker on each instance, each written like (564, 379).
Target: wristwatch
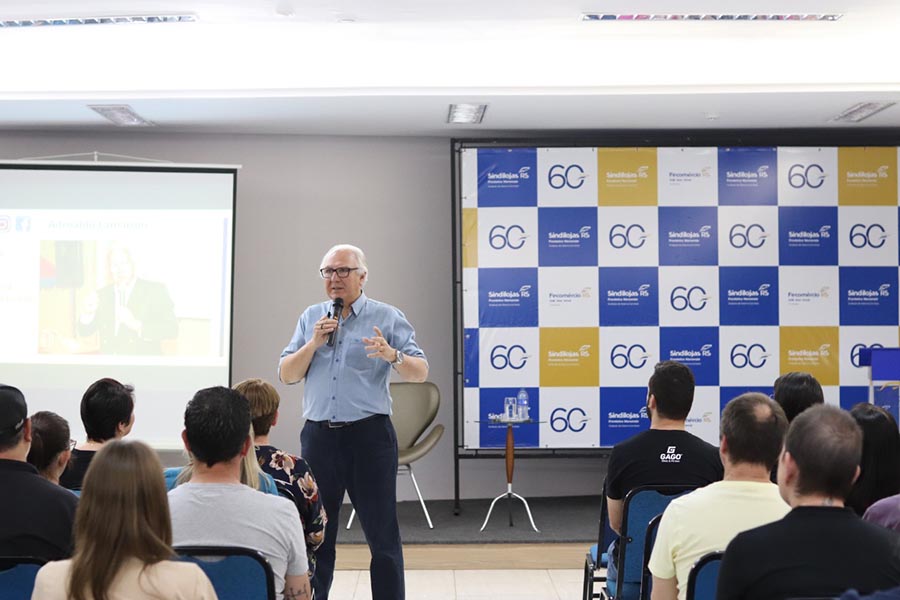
(398, 360)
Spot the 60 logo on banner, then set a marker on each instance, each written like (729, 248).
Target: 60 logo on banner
(633, 236)
(502, 236)
(513, 357)
(811, 176)
(855, 350)
(634, 356)
(753, 356)
(683, 298)
(571, 419)
(565, 176)
(752, 236)
(871, 236)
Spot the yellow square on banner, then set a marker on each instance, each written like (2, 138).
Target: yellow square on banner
(867, 176)
(570, 356)
(626, 177)
(814, 350)
(470, 238)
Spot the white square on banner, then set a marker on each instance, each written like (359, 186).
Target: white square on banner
(807, 176)
(568, 297)
(471, 415)
(852, 340)
(507, 237)
(703, 420)
(628, 237)
(832, 395)
(570, 417)
(567, 176)
(808, 296)
(470, 298)
(688, 176)
(867, 236)
(509, 357)
(688, 296)
(748, 236)
(748, 356)
(469, 178)
(627, 355)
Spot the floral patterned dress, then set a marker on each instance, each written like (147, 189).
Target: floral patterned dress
(293, 473)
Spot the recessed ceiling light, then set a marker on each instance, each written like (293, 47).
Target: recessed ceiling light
(121, 115)
(860, 112)
(104, 20)
(709, 17)
(466, 113)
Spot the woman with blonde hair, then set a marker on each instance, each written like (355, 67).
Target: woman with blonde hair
(123, 536)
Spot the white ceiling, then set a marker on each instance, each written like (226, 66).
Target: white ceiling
(394, 70)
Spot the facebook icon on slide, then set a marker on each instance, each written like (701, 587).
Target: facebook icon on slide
(508, 297)
(507, 177)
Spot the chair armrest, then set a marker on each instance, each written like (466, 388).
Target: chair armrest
(422, 447)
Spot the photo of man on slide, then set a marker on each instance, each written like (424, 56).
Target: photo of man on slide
(130, 315)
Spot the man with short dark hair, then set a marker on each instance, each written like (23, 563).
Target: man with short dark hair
(107, 413)
(217, 436)
(821, 548)
(796, 391)
(666, 454)
(36, 516)
(752, 431)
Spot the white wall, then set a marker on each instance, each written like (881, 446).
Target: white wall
(296, 197)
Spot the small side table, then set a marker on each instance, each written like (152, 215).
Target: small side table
(510, 494)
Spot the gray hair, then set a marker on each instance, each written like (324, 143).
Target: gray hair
(357, 252)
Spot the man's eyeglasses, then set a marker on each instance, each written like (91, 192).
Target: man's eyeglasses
(72, 444)
(342, 272)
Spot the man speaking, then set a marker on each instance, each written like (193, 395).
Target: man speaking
(345, 349)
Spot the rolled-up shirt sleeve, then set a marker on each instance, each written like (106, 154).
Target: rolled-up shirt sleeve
(403, 337)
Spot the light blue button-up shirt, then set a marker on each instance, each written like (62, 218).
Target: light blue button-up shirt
(342, 383)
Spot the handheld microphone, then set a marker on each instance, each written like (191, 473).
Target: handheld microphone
(336, 309)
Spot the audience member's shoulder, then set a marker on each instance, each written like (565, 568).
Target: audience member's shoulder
(637, 439)
(56, 492)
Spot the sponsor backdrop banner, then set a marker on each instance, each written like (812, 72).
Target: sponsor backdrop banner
(583, 267)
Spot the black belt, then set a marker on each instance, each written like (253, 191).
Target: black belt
(342, 424)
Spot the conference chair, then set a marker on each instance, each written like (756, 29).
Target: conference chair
(649, 540)
(704, 577)
(641, 505)
(597, 558)
(17, 574)
(415, 406)
(236, 573)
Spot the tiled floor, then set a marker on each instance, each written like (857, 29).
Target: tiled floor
(562, 584)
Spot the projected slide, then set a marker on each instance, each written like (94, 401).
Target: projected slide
(119, 273)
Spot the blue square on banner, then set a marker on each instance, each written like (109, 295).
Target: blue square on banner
(696, 347)
(727, 394)
(508, 297)
(568, 237)
(470, 358)
(507, 177)
(629, 296)
(887, 398)
(748, 295)
(853, 395)
(868, 295)
(493, 435)
(747, 176)
(807, 235)
(623, 413)
(688, 236)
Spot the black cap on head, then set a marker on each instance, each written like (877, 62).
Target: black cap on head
(13, 411)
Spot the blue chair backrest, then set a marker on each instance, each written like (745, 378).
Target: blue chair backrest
(236, 573)
(17, 576)
(649, 540)
(704, 577)
(641, 505)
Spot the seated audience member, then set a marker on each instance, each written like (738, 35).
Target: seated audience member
(123, 536)
(797, 391)
(879, 475)
(216, 426)
(752, 431)
(292, 470)
(885, 512)
(36, 516)
(50, 445)
(107, 413)
(637, 461)
(821, 548)
(891, 594)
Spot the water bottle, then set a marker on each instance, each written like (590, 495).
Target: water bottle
(522, 405)
(509, 408)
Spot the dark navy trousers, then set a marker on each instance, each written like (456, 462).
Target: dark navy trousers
(361, 459)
